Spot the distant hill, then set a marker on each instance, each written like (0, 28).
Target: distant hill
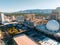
(44, 11)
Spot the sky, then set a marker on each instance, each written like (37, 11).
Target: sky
(18, 5)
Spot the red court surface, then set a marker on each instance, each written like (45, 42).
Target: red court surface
(24, 40)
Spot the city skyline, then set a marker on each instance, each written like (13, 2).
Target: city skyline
(18, 5)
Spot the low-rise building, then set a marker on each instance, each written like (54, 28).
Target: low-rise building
(20, 18)
(35, 20)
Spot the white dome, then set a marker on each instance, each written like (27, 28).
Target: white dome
(52, 25)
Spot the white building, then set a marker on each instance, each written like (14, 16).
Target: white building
(20, 18)
(48, 41)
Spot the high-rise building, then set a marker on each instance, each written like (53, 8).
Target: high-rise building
(55, 14)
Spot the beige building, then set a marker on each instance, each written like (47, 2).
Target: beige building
(36, 20)
(55, 14)
(30, 17)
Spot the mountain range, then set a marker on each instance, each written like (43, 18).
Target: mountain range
(44, 11)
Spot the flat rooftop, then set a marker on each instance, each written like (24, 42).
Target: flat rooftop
(24, 40)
